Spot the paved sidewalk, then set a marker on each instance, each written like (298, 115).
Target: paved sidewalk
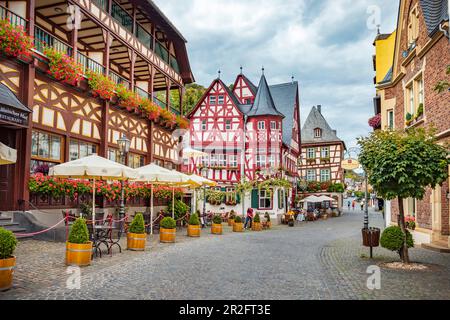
(313, 260)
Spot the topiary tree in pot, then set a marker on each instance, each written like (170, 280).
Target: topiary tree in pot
(168, 230)
(256, 225)
(8, 243)
(216, 227)
(136, 237)
(194, 226)
(78, 246)
(238, 226)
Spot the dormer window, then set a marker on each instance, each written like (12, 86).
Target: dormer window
(221, 100)
(317, 133)
(212, 100)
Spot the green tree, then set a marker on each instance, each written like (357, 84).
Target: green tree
(193, 94)
(443, 85)
(402, 165)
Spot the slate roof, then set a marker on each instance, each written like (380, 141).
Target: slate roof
(285, 98)
(264, 104)
(316, 120)
(434, 12)
(388, 77)
(8, 98)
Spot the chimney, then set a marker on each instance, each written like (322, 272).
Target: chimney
(319, 108)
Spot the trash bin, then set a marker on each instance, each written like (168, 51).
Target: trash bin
(371, 237)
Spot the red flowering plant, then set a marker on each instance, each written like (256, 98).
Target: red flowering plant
(127, 98)
(154, 112)
(101, 85)
(375, 122)
(14, 41)
(62, 67)
(182, 122)
(167, 118)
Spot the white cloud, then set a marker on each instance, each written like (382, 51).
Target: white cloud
(325, 44)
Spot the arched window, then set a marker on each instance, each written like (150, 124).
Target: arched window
(318, 133)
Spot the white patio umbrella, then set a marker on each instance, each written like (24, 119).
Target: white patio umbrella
(203, 183)
(325, 198)
(155, 174)
(189, 152)
(7, 155)
(93, 167)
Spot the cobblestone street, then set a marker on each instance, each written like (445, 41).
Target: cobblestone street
(314, 260)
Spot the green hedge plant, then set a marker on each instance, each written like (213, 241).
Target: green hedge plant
(194, 220)
(392, 239)
(138, 224)
(217, 219)
(8, 243)
(238, 219)
(79, 233)
(168, 223)
(257, 219)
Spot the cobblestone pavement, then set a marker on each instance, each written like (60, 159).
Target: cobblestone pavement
(313, 260)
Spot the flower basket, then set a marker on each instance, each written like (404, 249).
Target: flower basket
(63, 68)
(14, 41)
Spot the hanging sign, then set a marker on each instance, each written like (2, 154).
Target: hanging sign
(350, 164)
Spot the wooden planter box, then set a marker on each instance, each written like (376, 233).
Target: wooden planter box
(216, 229)
(78, 254)
(6, 273)
(136, 241)
(167, 235)
(256, 226)
(230, 222)
(238, 227)
(193, 231)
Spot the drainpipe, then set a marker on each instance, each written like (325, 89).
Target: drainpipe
(243, 162)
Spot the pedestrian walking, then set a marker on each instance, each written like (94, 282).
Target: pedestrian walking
(348, 205)
(353, 205)
(362, 205)
(249, 218)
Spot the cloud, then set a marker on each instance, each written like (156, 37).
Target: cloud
(325, 44)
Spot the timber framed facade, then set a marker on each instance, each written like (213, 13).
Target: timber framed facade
(131, 42)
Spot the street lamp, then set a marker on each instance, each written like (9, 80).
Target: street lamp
(124, 147)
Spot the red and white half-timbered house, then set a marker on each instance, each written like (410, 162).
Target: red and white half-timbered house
(269, 118)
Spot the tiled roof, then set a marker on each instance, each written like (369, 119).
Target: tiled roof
(434, 12)
(263, 104)
(316, 120)
(388, 77)
(8, 98)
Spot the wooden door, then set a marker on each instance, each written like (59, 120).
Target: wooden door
(7, 137)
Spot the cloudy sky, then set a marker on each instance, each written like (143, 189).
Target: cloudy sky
(325, 44)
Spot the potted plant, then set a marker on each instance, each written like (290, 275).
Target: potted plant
(408, 118)
(216, 227)
(193, 229)
(14, 41)
(62, 67)
(231, 218)
(101, 86)
(267, 217)
(256, 225)
(78, 247)
(168, 230)
(136, 237)
(419, 112)
(238, 226)
(8, 243)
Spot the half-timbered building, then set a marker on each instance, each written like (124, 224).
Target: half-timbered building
(322, 154)
(132, 42)
(268, 117)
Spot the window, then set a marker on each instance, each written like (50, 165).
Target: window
(232, 160)
(212, 100)
(169, 165)
(222, 160)
(221, 100)
(325, 175)
(414, 95)
(230, 196)
(80, 149)
(325, 152)
(205, 161)
(213, 160)
(114, 155)
(227, 124)
(159, 162)
(411, 108)
(135, 160)
(203, 125)
(265, 199)
(390, 119)
(420, 88)
(413, 26)
(273, 125)
(280, 198)
(317, 133)
(260, 161)
(311, 175)
(248, 101)
(311, 153)
(46, 146)
(261, 125)
(272, 161)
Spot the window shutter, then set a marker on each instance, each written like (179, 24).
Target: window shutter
(255, 198)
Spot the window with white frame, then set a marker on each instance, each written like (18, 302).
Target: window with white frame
(213, 160)
(205, 161)
(317, 133)
(220, 100)
(265, 199)
(228, 124)
(325, 152)
(272, 160)
(413, 25)
(390, 119)
(311, 175)
(311, 153)
(230, 196)
(273, 125)
(203, 125)
(261, 160)
(325, 175)
(420, 88)
(232, 160)
(411, 107)
(222, 160)
(212, 100)
(261, 125)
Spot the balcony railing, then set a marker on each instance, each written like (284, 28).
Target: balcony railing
(43, 39)
(122, 16)
(118, 79)
(142, 93)
(103, 4)
(159, 102)
(89, 64)
(14, 19)
(143, 36)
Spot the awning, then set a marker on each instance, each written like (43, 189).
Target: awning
(11, 109)
(7, 155)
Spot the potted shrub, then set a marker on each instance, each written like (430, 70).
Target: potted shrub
(216, 227)
(136, 237)
(231, 218)
(193, 229)
(14, 41)
(238, 226)
(269, 223)
(78, 247)
(408, 118)
(167, 230)
(419, 112)
(8, 243)
(62, 67)
(256, 225)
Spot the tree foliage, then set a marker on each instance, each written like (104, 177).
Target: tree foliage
(443, 85)
(193, 94)
(403, 164)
